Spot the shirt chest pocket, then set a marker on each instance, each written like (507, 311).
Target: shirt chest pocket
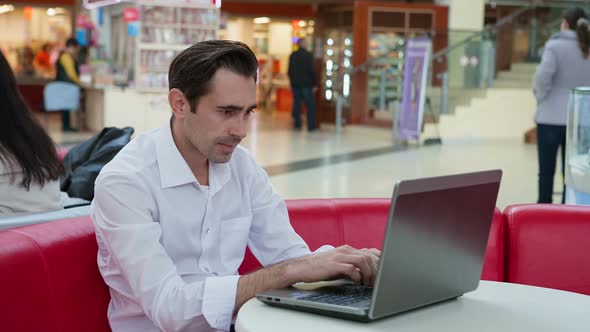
(234, 239)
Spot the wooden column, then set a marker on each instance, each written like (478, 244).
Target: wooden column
(504, 41)
(360, 54)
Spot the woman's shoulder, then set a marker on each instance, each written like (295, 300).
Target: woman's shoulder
(562, 39)
(16, 199)
(8, 166)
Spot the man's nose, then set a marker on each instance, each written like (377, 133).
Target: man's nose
(239, 128)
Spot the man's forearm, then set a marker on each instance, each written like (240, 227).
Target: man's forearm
(276, 276)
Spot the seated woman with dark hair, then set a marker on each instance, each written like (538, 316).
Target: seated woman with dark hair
(29, 167)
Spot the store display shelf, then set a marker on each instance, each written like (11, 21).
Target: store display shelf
(160, 25)
(199, 26)
(178, 4)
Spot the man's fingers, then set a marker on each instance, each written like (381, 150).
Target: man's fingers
(374, 262)
(350, 271)
(375, 256)
(374, 251)
(362, 262)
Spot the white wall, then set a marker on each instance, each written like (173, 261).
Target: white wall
(280, 43)
(16, 31)
(465, 14)
(13, 22)
(241, 29)
(279, 37)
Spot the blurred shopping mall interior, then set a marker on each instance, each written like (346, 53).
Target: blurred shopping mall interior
(471, 93)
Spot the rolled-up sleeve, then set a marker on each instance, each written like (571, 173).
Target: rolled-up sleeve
(124, 215)
(543, 81)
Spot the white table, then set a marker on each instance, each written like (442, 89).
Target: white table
(493, 306)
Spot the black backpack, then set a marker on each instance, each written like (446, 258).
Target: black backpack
(84, 162)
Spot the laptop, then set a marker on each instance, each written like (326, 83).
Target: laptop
(433, 251)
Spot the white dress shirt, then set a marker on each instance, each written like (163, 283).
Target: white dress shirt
(170, 248)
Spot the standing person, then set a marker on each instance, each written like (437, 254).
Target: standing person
(303, 84)
(68, 70)
(175, 209)
(43, 60)
(565, 64)
(29, 166)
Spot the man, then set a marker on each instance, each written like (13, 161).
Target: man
(303, 84)
(175, 209)
(67, 70)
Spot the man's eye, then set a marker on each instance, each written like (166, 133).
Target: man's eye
(228, 112)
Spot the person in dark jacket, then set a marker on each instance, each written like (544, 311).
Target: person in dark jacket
(303, 84)
(565, 64)
(67, 70)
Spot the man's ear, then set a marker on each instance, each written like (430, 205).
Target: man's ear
(178, 102)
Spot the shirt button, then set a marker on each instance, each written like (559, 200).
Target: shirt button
(207, 231)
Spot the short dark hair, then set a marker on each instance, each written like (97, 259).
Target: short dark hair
(192, 70)
(72, 42)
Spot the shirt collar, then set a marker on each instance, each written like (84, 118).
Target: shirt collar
(219, 175)
(174, 171)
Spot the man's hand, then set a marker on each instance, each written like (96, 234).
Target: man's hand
(344, 262)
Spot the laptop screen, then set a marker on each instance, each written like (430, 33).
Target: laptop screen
(435, 240)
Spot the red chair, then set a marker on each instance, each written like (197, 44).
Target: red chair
(548, 246)
(494, 262)
(361, 223)
(50, 279)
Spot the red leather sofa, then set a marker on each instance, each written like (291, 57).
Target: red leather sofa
(360, 223)
(49, 278)
(549, 246)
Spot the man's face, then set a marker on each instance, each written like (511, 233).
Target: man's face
(74, 50)
(222, 116)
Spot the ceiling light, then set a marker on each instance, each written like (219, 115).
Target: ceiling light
(6, 8)
(262, 20)
(51, 12)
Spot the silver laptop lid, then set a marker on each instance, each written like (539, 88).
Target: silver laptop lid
(435, 240)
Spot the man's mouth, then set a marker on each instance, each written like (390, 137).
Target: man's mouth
(228, 147)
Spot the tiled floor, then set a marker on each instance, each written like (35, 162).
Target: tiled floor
(361, 162)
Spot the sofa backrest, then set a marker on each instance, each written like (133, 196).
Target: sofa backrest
(49, 278)
(27, 300)
(361, 223)
(548, 246)
(494, 262)
(25, 219)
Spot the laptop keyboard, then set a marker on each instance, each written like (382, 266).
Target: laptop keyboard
(344, 295)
